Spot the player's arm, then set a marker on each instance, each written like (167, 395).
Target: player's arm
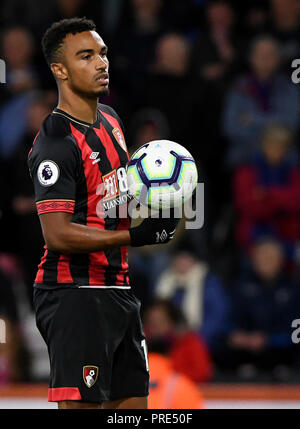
(63, 235)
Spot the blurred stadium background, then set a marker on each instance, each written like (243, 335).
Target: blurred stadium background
(218, 303)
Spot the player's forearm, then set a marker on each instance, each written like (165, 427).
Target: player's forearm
(76, 238)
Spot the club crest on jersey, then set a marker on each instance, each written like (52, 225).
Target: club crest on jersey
(48, 173)
(119, 137)
(90, 375)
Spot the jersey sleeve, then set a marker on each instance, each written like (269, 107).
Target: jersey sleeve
(54, 168)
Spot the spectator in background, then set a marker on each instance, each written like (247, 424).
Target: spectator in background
(258, 98)
(267, 192)
(18, 49)
(169, 389)
(34, 15)
(172, 91)
(29, 240)
(265, 302)
(168, 333)
(215, 60)
(69, 8)
(180, 15)
(38, 16)
(199, 293)
(9, 350)
(255, 20)
(285, 27)
(133, 52)
(215, 50)
(147, 125)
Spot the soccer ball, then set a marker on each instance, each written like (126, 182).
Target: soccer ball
(161, 174)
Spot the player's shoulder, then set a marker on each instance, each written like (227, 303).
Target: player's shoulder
(55, 132)
(108, 110)
(54, 139)
(56, 127)
(104, 108)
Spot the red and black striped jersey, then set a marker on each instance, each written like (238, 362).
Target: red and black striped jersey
(79, 168)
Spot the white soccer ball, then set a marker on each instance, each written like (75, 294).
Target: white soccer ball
(161, 174)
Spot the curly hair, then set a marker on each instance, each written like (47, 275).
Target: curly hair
(53, 38)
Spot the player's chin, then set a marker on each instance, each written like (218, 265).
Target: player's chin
(103, 90)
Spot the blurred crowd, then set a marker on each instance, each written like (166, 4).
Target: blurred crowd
(215, 76)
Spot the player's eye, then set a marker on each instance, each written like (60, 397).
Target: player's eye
(86, 57)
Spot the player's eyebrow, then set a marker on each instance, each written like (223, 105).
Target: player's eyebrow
(90, 51)
(84, 50)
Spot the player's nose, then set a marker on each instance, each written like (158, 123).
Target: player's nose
(102, 63)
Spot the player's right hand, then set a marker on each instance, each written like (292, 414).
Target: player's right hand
(154, 231)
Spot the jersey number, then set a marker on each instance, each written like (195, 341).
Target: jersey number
(114, 183)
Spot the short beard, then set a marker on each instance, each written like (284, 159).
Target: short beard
(91, 95)
(103, 92)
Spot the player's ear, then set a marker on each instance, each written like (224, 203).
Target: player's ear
(59, 71)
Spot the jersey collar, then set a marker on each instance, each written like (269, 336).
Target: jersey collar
(76, 120)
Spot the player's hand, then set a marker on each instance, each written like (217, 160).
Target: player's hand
(154, 231)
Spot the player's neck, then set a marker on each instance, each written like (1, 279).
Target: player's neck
(80, 108)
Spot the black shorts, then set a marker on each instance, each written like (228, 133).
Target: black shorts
(95, 341)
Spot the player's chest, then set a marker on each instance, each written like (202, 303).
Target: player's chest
(104, 158)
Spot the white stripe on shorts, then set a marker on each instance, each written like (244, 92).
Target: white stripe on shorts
(105, 287)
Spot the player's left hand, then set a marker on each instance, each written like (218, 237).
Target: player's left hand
(155, 230)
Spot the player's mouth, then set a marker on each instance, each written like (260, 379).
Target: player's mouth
(102, 78)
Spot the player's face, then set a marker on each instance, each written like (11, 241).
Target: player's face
(85, 58)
